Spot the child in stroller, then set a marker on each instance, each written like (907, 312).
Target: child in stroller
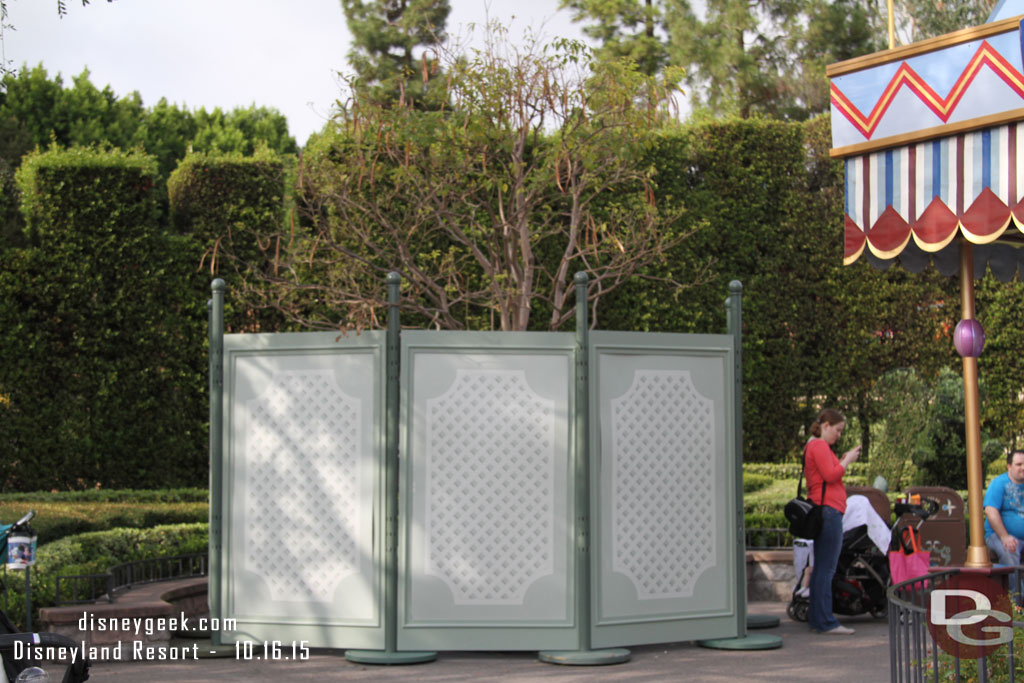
(862, 574)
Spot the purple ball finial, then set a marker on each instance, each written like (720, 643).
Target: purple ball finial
(969, 338)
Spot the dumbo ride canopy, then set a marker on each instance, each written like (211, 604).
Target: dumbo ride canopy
(932, 137)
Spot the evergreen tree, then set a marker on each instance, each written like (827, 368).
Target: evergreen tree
(628, 28)
(391, 52)
(920, 19)
(766, 57)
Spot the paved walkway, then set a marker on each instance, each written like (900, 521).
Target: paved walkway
(804, 656)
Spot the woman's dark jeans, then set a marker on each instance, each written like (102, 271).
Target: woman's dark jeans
(826, 556)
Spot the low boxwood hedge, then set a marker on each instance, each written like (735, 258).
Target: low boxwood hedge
(755, 482)
(95, 552)
(181, 495)
(58, 519)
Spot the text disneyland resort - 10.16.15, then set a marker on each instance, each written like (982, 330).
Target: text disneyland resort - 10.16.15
(139, 648)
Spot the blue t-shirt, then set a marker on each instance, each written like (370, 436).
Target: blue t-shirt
(1008, 498)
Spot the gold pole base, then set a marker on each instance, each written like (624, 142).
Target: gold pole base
(977, 557)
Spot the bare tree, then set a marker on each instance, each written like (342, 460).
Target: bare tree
(535, 169)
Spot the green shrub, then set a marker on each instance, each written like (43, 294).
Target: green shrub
(102, 369)
(903, 400)
(230, 205)
(96, 193)
(766, 520)
(791, 470)
(182, 495)
(55, 520)
(754, 482)
(942, 461)
(97, 551)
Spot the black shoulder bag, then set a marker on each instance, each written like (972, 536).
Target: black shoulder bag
(804, 515)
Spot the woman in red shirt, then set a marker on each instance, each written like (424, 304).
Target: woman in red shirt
(824, 474)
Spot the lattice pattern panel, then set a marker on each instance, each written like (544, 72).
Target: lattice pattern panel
(490, 487)
(663, 484)
(302, 464)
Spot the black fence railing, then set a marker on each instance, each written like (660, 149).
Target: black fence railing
(81, 589)
(768, 539)
(916, 656)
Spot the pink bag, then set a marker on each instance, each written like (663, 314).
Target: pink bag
(910, 564)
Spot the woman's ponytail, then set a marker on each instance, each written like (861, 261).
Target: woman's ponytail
(826, 417)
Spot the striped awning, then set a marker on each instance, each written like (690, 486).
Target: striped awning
(929, 192)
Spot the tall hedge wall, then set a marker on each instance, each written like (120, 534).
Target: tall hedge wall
(102, 377)
(766, 201)
(102, 316)
(230, 204)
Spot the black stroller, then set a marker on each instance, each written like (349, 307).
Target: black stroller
(18, 650)
(862, 574)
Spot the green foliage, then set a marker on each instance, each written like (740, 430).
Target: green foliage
(920, 19)
(178, 495)
(80, 114)
(764, 198)
(634, 30)
(489, 209)
(774, 470)
(107, 196)
(903, 400)
(97, 551)
(755, 482)
(11, 224)
(225, 197)
(741, 59)
(56, 520)
(242, 131)
(102, 375)
(999, 665)
(944, 463)
(1001, 364)
(766, 520)
(232, 206)
(394, 49)
(766, 58)
(740, 183)
(37, 112)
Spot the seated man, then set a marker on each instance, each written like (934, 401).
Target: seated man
(1004, 511)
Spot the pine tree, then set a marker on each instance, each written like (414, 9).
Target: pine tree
(761, 57)
(627, 28)
(391, 54)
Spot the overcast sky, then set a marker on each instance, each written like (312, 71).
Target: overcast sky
(224, 53)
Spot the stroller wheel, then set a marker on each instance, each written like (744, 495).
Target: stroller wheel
(880, 611)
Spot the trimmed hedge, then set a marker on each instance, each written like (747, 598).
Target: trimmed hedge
(791, 470)
(230, 204)
(54, 521)
(97, 551)
(102, 368)
(184, 495)
(96, 194)
(754, 482)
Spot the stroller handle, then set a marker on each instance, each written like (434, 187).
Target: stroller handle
(25, 520)
(928, 508)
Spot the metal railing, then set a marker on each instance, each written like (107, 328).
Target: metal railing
(87, 588)
(914, 654)
(768, 539)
